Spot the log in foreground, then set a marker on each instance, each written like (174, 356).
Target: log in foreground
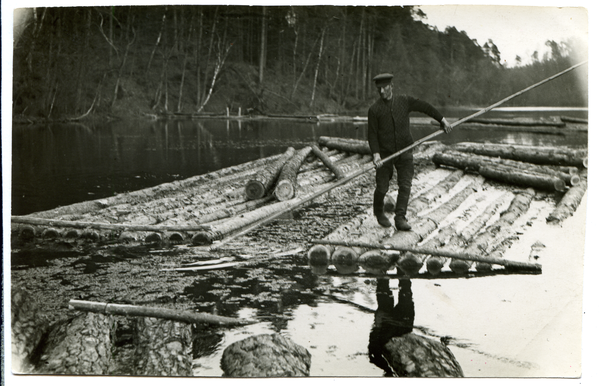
(263, 180)
(568, 203)
(162, 348)
(434, 252)
(285, 188)
(154, 312)
(266, 355)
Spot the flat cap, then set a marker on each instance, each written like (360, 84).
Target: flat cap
(383, 79)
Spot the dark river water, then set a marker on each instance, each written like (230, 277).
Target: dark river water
(60, 164)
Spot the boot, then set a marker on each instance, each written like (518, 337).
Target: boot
(401, 223)
(378, 210)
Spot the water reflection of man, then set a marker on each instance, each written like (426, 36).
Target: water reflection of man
(395, 349)
(390, 320)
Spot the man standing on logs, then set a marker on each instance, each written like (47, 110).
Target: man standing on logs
(389, 131)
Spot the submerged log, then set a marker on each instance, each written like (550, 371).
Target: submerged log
(517, 177)
(568, 203)
(267, 355)
(81, 345)
(467, 161)
(285, 188)
(345, 144)
(264, 179)
(155, 312)
(27, 329)
(412, 355)
(532, 154)
(327, 161)
(162, 348)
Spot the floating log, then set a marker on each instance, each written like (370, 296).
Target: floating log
(80, 346)
(467, 161)
(345, 260)
(517, 177)
(154, 312)
(285, 188)
(266, 355)
(27, 329)
(162, 348)
(568, 203)
(264, 179)
(532, 154)
(348, 145)
(512, 122)
(95, 225)
(377, 263)
(412, 355)
(319, 258)
(435, 252)
(425, 200)
(573, 120)
(327, 161)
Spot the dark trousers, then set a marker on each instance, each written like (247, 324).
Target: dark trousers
(405, 171)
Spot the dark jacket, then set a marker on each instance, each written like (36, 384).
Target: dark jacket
(389, 125)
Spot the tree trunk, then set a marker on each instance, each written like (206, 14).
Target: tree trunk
(314, 88)
(514, 176)
(474, 162)
(327, 161)
(263, 46)
(264, 179)
(162, 27)
(285, 188)
(162, 348)
(568, 203)
(532, 154)
(79, 346)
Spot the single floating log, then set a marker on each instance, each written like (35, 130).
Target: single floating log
(285, 188)
(327, 161)
(568, 203)
(264, 179)
(532, 154)
(79, 346)
(267, 355)
(154, 312)
(517, 177)
(162, 348)
(512, 122)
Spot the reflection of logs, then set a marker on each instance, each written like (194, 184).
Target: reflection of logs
(163, 348)
(27, 328)
(81, 345)
(412, 355)
(265, 356)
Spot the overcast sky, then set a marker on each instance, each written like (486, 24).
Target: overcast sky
(516, 30)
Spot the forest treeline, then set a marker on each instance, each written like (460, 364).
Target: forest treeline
(136, 60)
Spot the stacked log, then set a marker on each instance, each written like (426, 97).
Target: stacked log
(327, 161)
(346, 144)
(412, 355)
(517, 177)
(27, 329)
(532, 154)
(568, 203)
(285, 188)
(81, 345)
(162, 348)
(267, 355)
(264, 179)
(474, 162)
(425, 200)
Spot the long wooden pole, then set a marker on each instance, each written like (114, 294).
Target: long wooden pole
(154, 312)
(434, 252)
(371, 166)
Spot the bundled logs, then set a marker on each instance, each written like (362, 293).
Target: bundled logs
(532, 154)
(162, 348)
(264, 179)
(285, 188)
(267, 355)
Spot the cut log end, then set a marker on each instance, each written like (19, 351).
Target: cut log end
(204, 238)
(410, 264)
(318, 256)
(460, 267)
(345, 260)
(284, 191)
(574, 180)
(435, 265)
(254, 190)
(375, 262)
